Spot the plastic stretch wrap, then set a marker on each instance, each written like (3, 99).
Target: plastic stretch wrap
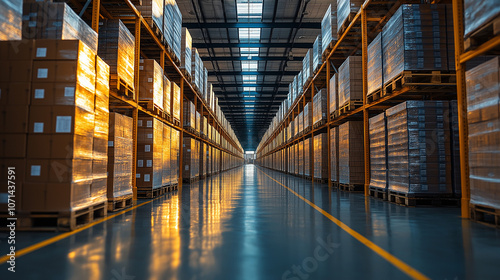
(174, 155)
(416, 38)
(189, 113)
(300, 84)
(120, 146)
(300, 123)
(317, 53)
(197, 121)
(152, 12)
(308, 116)
(375, 71)
(117, 48)
(206, 86)
(418, 148)
(202, 161)
(167, 93)
(351, 150)
(478, 13)
(455, 147)
(334, 96)
(483, 92)
(151, 82)
(329, 27)
(149, 153)
(334, 154)
(46, 20)
(173, 26)
(189, 158)
(345, 8)
(176, 101)
(320, 109)
(321, 156)
(291, 90)
(307, 157)
(196, 68)
(378, 152)
(307, 67)
(10, 19)
(186, 46)
(350, 81)
(166, 166)
(300, 151)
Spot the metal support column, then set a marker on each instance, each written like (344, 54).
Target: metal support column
(366, 128)
(135, 114)
(458, 26)
(95, 15)
(181, 135)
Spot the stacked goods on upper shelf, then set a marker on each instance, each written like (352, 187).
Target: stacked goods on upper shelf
(49, 99)
(117, 47)
(176, 101)
(320, 110)
(375, 70)
(479, 14)
(414, 39)
(46, 20)
(167, 93)
(334, 154)
(149, 154)
(206, 86)
(329, 28)
(321, 156)
(152, 12)
(10, 19)
(186, 47)
(189, 115)
(190, 158)
(300, 84)
(307, 67)
(300, 124)
(291, 89)
(483, 95)
(197, 122)
(350, 81)
(334, 95)
(351, 159)
(172, 28)
(317, 54)
(151, 84)
(419, 148)
(120, 146)
(308, 116)
(345, 10)
(196, 69)
(378, 152)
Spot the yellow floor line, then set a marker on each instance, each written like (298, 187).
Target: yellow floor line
(410, 271)
(59, 237)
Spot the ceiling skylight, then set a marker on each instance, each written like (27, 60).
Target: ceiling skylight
(249, 89)
(249, 9)
(249, 35)
(249, 78)
(249, 65)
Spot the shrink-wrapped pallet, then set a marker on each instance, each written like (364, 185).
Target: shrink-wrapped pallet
(176, 101)
(321, 156)
(317, 54)
(189, 115)
(120, 146)
(166, 166)
(152, 12)
(151, 84)
(344, 9)
(167, 94)
(320, 110)
(350, 81)
(172, 29)
(174, 155)
(334, 154)
(479, 13)
(307, 67)
(375, 70)
(307, 156)
(351, 153)
(329, 27)
(10, 19)
(378, 152)
(186, 46)
(308, 116)
(149, 153)
(334, 94)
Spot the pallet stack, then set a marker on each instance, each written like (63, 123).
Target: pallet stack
(345, 10)
(351, 159)
(317, 55)
(186, 47)
(334, 95)
(334, 154)
(321, 156)
(350, 82)
(151, 85)
(320, 110)
(378, 153)
(375, 69)
(10, 19)
(329, 28)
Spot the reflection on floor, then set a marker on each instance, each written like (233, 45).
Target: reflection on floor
(243, 225)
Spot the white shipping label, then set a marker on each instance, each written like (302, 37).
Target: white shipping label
(111, 143)
(138, 175)
(38, 127)
(140, 163)
(187, 167)
(63, 124)
(32, 24)
(36, 170)
(41, 52)
(39, 93)
(141, 67)
(150, 124)
(139, 122)
(150, 80)
(150, 135)
(69, 91)
(146, 178)
(149, 163)
(147, 148)
(42, 73)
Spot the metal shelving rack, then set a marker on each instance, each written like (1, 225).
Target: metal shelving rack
(148, 45)
(365, 25)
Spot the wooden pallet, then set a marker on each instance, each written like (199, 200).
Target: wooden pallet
(374, 96)
(59, 220)
(156, 30)
(190, 180)
(319, 124)
(151, 107)
(351, 187)
(346, 23)
(378, 193)
(306, 130)
(122, 88)
(328, 50)
(352, 105)
(483, 34)
(187, 75)
(321, 181)
(485, 215)
(120, 203)
(420, 78)
(152, 193)
(407, 199)
(190, 129)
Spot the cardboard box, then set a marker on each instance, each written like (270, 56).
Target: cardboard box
(14, 119)
(15, 93)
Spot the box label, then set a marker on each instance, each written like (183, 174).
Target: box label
(150, 135)
(147, 148)
(36, 170)
(140, 163)
(69, 91)
(41, 52)
(42, 73)
(39, 93)
(110, 143)
(150, 124)
(149, 163)
(38, 127)
(138, 175)
(146, 178)
(63, 124)
(139, 122)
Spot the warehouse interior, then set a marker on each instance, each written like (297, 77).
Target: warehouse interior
(249, 139)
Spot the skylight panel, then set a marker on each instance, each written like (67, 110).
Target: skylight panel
(249, 65)
(249, 89)
(249, 34)
(247, 51)
(249, 78)
(249, 9)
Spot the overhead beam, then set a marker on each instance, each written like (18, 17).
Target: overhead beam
(253, 45)
(303, 25)
(260, 92)
(224, 85)
(253, 58)
(265, 73)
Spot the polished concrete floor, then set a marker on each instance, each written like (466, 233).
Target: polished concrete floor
(242, 224)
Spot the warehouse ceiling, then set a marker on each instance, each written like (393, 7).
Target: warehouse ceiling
(252, 49)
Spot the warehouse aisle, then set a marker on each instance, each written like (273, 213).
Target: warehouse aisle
(243, 224)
